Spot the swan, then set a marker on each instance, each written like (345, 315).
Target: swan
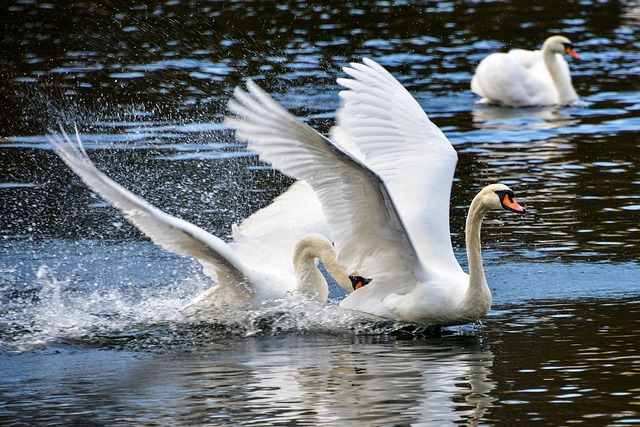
(383, 179)
(273, 252)
(521, 78)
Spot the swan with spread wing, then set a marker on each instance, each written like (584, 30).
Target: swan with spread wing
(273, 252)
(383, 179)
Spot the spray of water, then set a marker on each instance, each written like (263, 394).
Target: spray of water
(151, 317)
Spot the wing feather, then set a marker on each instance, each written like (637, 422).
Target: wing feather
(365, 226)
(414, 158)
(167, 231)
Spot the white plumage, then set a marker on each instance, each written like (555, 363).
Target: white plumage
(522, 78)
(384, 186)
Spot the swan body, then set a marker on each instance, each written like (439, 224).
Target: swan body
(384, 181)
(273, 252)
(521, 78)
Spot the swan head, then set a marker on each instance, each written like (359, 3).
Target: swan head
(499, 196)
(561, 45)
(358, 281)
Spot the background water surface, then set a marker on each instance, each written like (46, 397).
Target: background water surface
(90, 325)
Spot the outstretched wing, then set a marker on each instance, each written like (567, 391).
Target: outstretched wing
(411, 154)
(370, 236)
(169, 232)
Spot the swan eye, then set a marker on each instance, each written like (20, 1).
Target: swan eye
(358, 281)
(569, 50)
(508, 202)
(502, 193)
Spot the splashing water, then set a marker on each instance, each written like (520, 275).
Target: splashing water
(149, 316)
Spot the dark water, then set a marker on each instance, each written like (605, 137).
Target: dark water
(90, 324)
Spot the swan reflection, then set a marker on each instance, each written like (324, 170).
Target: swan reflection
(330, 381)
(505, 118)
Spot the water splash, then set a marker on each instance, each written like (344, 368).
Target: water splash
(76, 312)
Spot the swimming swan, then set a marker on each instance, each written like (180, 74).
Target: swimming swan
(522, 78)
(388, 217)
(272, 252)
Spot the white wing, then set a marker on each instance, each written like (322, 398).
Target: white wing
(266, 240)
(169, 232)
(369, 235)
(414, 158)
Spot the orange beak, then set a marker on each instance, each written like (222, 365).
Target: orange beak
(512, 205)
(572, 52)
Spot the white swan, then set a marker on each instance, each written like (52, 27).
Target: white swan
(389, 218)
(273, 252)
(522, 78)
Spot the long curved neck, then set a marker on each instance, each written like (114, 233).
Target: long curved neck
(310, 280)
(472, 240)
(562, 81)
(478, 294)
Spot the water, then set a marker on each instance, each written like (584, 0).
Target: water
(90, 325)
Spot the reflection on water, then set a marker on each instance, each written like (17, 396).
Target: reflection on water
(550, 364)
(90, 324)
(307, 381)
(521, 119)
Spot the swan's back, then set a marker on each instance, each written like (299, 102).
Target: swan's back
(527, 58)
(534, 61)
(517, 78)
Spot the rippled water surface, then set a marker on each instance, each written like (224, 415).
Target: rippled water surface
(91, 330)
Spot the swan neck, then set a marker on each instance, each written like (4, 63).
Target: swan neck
(310, 280)
(476, 301)
(477, 279)
(562, 81)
